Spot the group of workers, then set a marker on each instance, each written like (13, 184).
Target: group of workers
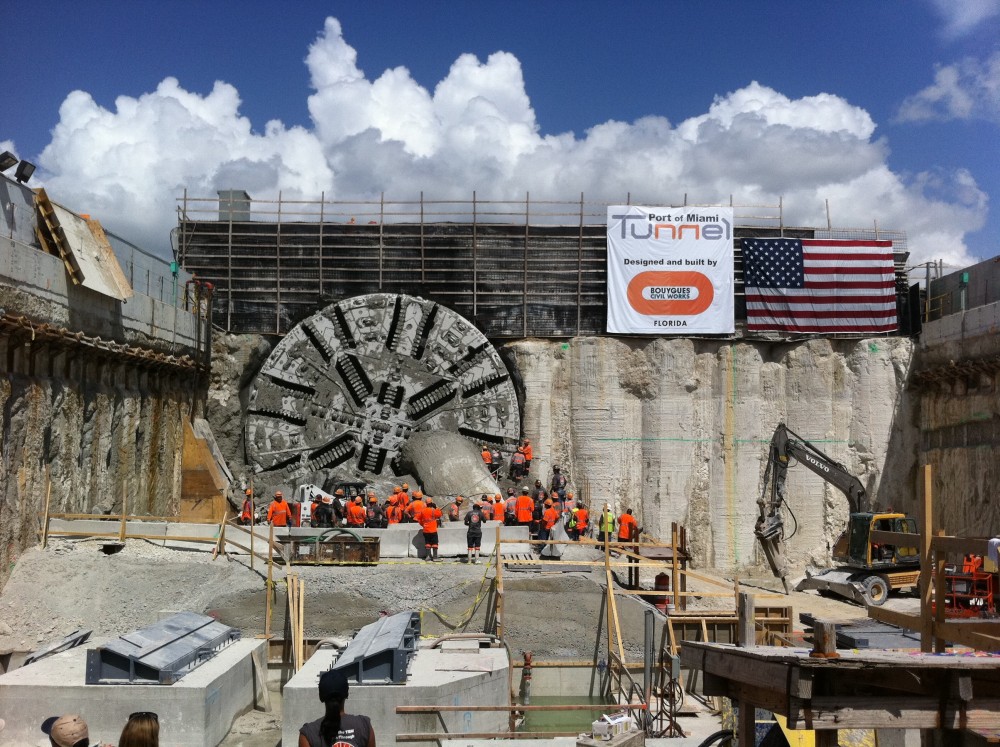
(537, 508)
(520, 460)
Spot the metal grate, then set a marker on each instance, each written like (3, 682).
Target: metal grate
(160, 654)
(381, 651)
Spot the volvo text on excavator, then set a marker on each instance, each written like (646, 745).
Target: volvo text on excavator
(866, 571)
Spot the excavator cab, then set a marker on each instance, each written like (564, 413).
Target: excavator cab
(855, 548)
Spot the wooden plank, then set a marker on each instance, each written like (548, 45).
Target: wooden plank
(961, 545)
(747, 670)
(926, 588)
(260, 678)
(746, 631)
(893, 712)
(48, 497)
(747, 728)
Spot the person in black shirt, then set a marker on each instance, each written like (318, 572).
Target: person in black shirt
(336, 726)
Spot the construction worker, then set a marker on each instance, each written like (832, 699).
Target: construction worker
(374, 515)
(496, 460)
(524, 507)
(582, 516)
(558, 483)
(536, 517)
(405, 492)
(510, 508)
(279, 513)
(628, 527)
(549, 518)
(428, 520)
(499, 506)
(528, 454)
(356, 513)
(538, 492)
(246, 514)
(414, 508)
(323, 515)
(606, 524)
(487, 456)
(474, 536)
(517, 470)
(394, 510)
(455, 508)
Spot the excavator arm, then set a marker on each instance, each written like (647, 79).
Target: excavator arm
(770, 528)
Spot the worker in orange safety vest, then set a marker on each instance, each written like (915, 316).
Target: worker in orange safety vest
(279, 513)
(428, 519)
(356, 513)
(628, 527)
(246, 515)
(455, 509)
(415, 507)
(523, 508)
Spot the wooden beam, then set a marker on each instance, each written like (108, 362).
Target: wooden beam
(926, 590)
(897, 712)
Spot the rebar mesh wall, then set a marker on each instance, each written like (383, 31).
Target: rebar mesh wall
(512, 280)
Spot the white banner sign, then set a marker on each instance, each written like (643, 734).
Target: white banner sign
(670, 270)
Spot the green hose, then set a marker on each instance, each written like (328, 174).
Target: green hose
(330, 532)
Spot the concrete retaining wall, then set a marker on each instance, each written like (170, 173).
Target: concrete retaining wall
(197, 711)
(437, 677)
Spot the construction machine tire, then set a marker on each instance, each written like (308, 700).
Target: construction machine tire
(876, 590)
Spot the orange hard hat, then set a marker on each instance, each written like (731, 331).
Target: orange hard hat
(372, 498)
(498, 497)
(459, 499)
(249, 491)
(277, 494)
(339, 491)
(548, 501)
(357, 499)
(417, 494)
(396, 489)
(406, 486)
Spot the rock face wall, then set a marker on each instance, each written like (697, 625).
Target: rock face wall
(678, 430)
(958, 391)
(102, 431)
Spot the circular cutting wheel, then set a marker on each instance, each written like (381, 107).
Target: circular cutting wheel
(343, 391)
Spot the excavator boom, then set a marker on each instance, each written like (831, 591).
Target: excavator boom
(770, 530)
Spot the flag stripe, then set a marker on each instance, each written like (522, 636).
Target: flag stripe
(819, 285)
(843, 244)
(835, 313)
(764, 300)
(848, 327)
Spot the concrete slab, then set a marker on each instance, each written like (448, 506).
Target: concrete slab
(197, 711)
(436, 678)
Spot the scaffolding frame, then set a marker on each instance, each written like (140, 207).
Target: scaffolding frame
(515, 268)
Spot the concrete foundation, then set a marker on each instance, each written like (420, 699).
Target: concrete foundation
(437, 677)
(197, 711)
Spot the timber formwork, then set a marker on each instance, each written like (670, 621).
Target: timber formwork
(515, 269)
(869, 689)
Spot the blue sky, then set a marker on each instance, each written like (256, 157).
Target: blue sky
(890, 111)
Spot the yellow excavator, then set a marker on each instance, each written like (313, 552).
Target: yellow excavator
(867, 571)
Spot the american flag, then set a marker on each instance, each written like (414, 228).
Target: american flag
(819, 285)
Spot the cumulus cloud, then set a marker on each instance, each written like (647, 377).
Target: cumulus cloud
(477, 131)
(963, 16)
(969, 89)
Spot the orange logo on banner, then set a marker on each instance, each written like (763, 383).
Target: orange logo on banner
(672, 306)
